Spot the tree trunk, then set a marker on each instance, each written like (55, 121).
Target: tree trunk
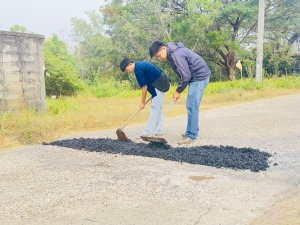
(231, 73)
(249, 71)
(230, 65)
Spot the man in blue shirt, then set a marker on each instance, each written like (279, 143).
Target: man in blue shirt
(153, 80)
(193, 72)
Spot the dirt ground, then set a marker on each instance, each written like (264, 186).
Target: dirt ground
(284, 210)
(55, 185)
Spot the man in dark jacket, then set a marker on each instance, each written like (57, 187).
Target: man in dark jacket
(193, 71)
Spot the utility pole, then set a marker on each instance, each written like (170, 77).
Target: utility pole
(260, 40)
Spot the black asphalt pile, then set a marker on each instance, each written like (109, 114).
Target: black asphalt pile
(216, 156)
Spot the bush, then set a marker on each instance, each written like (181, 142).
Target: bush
(109, 87)
(288, 82)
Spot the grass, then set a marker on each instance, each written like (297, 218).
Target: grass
(84, 113)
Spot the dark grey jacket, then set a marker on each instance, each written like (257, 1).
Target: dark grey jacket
(187, 64)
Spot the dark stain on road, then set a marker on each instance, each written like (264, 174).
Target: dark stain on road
(208, 155)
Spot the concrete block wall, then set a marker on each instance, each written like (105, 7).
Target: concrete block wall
(22, 68)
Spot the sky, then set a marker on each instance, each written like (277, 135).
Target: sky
(45, 17)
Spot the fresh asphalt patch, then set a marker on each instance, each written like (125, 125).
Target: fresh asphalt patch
(209, 155)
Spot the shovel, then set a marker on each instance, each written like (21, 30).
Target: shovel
(121, 135)
(157, 139)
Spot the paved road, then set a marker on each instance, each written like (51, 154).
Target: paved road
(53, 185)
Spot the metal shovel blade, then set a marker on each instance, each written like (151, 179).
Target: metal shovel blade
(154, 139)
(121, 135)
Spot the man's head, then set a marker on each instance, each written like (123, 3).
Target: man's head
(127, 65)
(158, 49)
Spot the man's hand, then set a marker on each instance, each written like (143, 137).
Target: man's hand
(176, 95)
(142, 105)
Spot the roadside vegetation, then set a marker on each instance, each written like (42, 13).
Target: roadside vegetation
(85, 112)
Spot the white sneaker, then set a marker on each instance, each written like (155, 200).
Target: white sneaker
(143, 135)
(147, 135)
(139, 136)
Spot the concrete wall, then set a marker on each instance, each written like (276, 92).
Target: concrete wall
(22, 68)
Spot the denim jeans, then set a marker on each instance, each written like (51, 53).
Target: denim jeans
(155, 116)
(195, 94)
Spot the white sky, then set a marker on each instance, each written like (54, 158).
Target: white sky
(45, 16)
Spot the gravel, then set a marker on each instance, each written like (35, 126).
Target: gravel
(209, 155)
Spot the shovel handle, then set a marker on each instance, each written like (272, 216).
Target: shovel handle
(121, 128)
(164, 117)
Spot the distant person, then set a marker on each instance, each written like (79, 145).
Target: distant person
(153, 80)
(193, 71)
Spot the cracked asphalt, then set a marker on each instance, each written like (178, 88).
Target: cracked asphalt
(44, 184)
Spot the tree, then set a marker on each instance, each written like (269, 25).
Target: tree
(282, 30)
(233, 25)
(126, 30)
(218, 30)
(61, 73)
(134, 25)
(18, 28)
(282, 20)
(278, 59)
(95, 52)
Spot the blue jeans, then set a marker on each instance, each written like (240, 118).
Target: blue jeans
(155, 116)
(195, 94)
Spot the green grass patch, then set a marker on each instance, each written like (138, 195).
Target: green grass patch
(114, 88)
(287, 82)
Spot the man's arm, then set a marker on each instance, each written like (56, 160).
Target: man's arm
(144, 95)
(184, 72)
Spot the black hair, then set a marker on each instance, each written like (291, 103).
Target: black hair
(154, 47)
(125, 62)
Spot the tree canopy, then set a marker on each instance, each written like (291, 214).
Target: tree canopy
(221, 31)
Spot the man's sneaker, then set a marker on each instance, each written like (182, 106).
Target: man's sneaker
(139, 136)
(185, 141)
(184, 136)
(147, 135)
(143, 135)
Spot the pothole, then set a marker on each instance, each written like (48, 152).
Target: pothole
(208, 155)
